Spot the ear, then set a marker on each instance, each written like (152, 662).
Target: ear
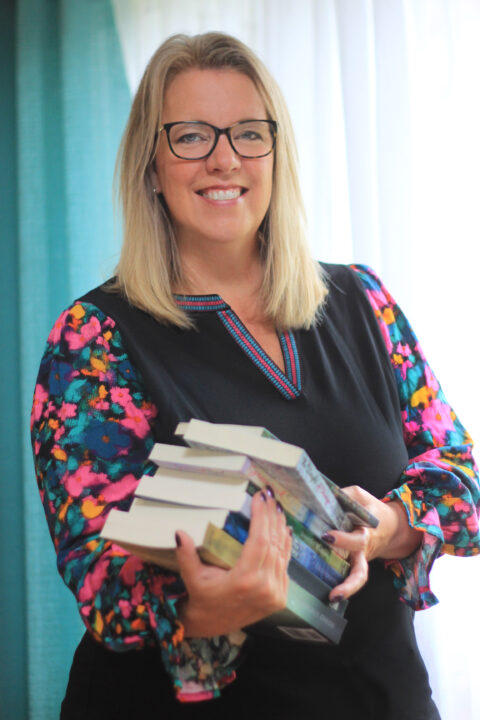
(153, 179)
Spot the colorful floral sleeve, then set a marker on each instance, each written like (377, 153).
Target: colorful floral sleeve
(439, 488)
(91, 435)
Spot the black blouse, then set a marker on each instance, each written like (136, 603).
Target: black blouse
(338, 399)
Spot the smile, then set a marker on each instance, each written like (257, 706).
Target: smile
(230, 194)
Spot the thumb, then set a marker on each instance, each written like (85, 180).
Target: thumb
(188, 560)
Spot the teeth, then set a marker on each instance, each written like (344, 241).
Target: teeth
(222, 194)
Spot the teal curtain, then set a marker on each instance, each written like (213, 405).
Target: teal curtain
(65, 101)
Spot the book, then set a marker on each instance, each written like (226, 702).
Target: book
(148, 530)
(233, 493)
(322, 561)
(356, 513)
(314, 585)
(255, 429)
(233, 465)
(315, 563)
(194, 488)
(304, 533)
(305, 618)
(287, 464)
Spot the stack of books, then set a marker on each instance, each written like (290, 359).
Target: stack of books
(206, 488)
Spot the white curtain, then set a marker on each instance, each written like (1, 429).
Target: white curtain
(385, 100)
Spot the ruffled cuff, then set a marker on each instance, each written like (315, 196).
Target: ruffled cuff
(412, 573)
(199, 667)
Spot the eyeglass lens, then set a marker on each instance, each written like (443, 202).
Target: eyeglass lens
(253, 138)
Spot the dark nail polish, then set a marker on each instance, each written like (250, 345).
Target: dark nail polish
(177, 540)
(337, 598)
(270, 492)
(326, 537)
(263, 496)
(279, 507)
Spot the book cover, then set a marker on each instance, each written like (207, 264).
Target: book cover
(287, 464)
(148, 530)
(233, 465)
(302, 614)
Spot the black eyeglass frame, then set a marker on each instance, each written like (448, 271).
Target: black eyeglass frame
(220, 131)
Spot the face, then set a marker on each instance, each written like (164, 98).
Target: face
(223, 198)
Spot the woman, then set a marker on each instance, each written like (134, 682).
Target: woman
(218, 312)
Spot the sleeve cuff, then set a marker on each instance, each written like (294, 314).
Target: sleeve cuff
(412, 573)
(199, 667)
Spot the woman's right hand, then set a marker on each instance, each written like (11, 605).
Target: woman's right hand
(220, 601)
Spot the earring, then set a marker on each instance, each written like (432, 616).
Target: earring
(154, 190)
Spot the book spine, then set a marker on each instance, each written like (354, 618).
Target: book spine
(341, 566)
(289, 502)
(219, 545)
(305, 482)
(317, 614)
(236, 525)
(314, 495)
(313, 562)
(303, 531)
(303, 610)
(314, 585)
(317, 482)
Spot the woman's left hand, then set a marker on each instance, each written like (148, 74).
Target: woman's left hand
(393, 538)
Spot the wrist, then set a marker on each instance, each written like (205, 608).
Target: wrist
(405, 539)
(200, 623)
(187, 618)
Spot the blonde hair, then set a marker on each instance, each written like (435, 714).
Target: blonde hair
(149, 265)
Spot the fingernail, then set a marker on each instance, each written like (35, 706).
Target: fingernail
(290, 531)
(337, 598)
(279, 507)
(326, 537)
(263, 496)
(177, 540)
(270, 491)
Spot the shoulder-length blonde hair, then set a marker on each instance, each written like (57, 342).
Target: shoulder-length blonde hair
(149, 266)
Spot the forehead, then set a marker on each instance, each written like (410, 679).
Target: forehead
(220, 97)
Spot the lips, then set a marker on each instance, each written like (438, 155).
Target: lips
(222, 193)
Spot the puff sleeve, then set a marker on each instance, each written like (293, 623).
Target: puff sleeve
(91, 434)
(439, 487)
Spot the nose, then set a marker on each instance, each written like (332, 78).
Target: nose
(223, 158)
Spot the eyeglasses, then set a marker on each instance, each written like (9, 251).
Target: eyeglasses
(197, 140)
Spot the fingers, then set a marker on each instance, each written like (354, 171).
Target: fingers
(189, 562)
(266, 537)
(357, 540)
(256, 545)
(267, 550)
(356, 579)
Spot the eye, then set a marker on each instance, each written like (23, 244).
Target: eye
(190, 134)
(190, 138)
(248, 135)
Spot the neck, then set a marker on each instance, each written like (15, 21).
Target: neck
(220, 268)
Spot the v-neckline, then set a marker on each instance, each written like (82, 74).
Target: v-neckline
(289, 381)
